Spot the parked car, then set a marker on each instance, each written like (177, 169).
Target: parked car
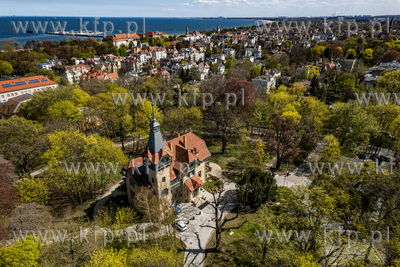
(181, 226)
(373, 156)
(362, 156)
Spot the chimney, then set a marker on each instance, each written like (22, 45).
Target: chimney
(170, 146)
(184, 141)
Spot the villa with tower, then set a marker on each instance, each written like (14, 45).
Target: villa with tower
(175, 169)
(192, 36)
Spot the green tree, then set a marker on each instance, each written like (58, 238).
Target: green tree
(154, 256)
(311, 71)
(24, 253)
(75, 147)
(285, 137)
(45, 100)
(288, 43)
(80, 97)
(259, 152)
(64, 110)
(346, 80)
(256, 188)
(194, 74)
(351, 54)
(208, 52)
(306, 260)
(264, 54)
(331, 150)
(390, 80)
(122, 51)
(22, 142)
(182, 76)
(108, 258)
(368, 55)
(317, 51)
(33, 190)
(328, 53)
(351, 124)
(229, 63)
(6, 68)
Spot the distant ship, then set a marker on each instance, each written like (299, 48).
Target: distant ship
(55, 18)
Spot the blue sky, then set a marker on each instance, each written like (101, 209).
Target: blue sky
(197, 8)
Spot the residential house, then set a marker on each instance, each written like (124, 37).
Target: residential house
(229, 52)
(159, 53)
(48, 64)
(122, 39)
(268, 80)
(99, 75)
(71, 73)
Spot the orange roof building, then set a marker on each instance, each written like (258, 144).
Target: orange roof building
(122, 39)
(17, 87)
(175, 169)
(99, 75)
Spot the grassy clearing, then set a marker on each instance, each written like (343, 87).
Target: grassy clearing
(232, 159)
(211, 183)
(234, 245)
(241, 248)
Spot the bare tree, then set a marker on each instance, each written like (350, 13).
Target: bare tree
(285, 138)
(156, 211)
(219, 204)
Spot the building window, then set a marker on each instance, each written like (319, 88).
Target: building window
(8, 95)
(16, 93)
(2, 96)
(164, 192)
(12, 94)
(131, 182)
(132, 194)
(163, 179)
(199, 174)
(152, 180)
(192, 173)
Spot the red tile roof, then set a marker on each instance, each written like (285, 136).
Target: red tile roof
(194, 182)
(122, 37)
(195, 148)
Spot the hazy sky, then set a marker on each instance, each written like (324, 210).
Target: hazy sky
(197, 8)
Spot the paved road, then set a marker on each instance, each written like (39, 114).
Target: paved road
(100, 203)
(196, 237)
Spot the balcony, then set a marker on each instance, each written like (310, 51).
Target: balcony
(176, 183)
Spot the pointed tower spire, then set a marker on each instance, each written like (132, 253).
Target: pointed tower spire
(156, 141)
(154, 116)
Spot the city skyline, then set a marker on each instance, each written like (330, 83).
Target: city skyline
(200, 8)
